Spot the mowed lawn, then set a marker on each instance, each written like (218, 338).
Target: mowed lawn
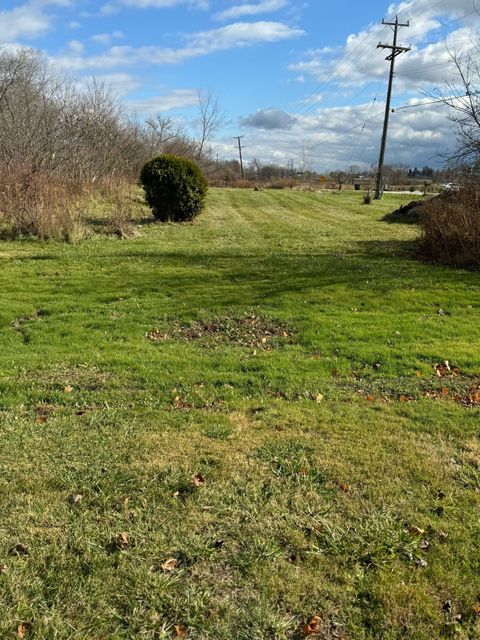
(235, 430)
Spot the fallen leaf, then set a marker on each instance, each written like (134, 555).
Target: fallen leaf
(68, 388)
(445, 391)
(313, 626)
(41, 420)
(170, 564)
(180, 631)
(122, 540)
(344, 486)
(416, 531)
(424, 544)
(75, 499)
(197, 480)
(476, 609)
(319, 398)
(24, 629)
(370, 398)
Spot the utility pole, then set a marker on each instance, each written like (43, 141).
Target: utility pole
(239, 138)
(396, 51)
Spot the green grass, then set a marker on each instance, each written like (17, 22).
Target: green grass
(285, 439)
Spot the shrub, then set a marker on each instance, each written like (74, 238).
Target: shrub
(451, 229)
(175, 188)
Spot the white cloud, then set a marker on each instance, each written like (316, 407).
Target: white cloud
(176, 99)
(25, 21)
(107, 38)
(28, 20)
(115, 5)
(122, 84)
(338, 137)
(236, 35)
(251, 9)
(359, 61)
(76, 46)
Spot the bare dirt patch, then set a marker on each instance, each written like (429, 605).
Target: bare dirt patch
(248, 330)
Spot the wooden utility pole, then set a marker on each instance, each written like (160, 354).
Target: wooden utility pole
(239, 138)
(396, 51)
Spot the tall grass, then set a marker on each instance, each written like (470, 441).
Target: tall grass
(451, 229)
(40, 205)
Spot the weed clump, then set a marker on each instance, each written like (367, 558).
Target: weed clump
(175, 188)
(367, 197)
(451, 229)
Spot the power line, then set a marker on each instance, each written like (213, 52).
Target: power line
(440, 100)
(367, 59)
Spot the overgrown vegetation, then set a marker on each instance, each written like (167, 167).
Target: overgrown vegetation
(209, 485)
(175, 188)
(61, 147)
(451, 228)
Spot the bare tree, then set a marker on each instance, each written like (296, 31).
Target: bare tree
(211, 117)
(462, 95)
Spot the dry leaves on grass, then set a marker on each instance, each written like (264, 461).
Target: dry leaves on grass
(178, 403)
(248, 330)
(170, 565)
(197, 480)
(180, 631)
(446, 370)
(473, 397)
(23, 630)
(313, 626)
(122, 541)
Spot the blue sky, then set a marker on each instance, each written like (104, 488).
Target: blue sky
(292, 77)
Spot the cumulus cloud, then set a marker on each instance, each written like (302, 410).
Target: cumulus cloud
(236, 35)
(251, 9)
(337, 137)
(28, 20)
(268, 119)
(359, 61)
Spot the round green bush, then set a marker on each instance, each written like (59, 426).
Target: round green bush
(175, 188)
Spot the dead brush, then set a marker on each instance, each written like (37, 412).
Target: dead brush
(119, 203)
(451, 229)
(122, 214)
(39, 205)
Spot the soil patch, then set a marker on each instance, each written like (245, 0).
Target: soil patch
(249, 330)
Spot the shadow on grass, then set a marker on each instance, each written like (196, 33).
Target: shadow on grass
(238, 279)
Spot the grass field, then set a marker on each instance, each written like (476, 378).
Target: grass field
(234, 429)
